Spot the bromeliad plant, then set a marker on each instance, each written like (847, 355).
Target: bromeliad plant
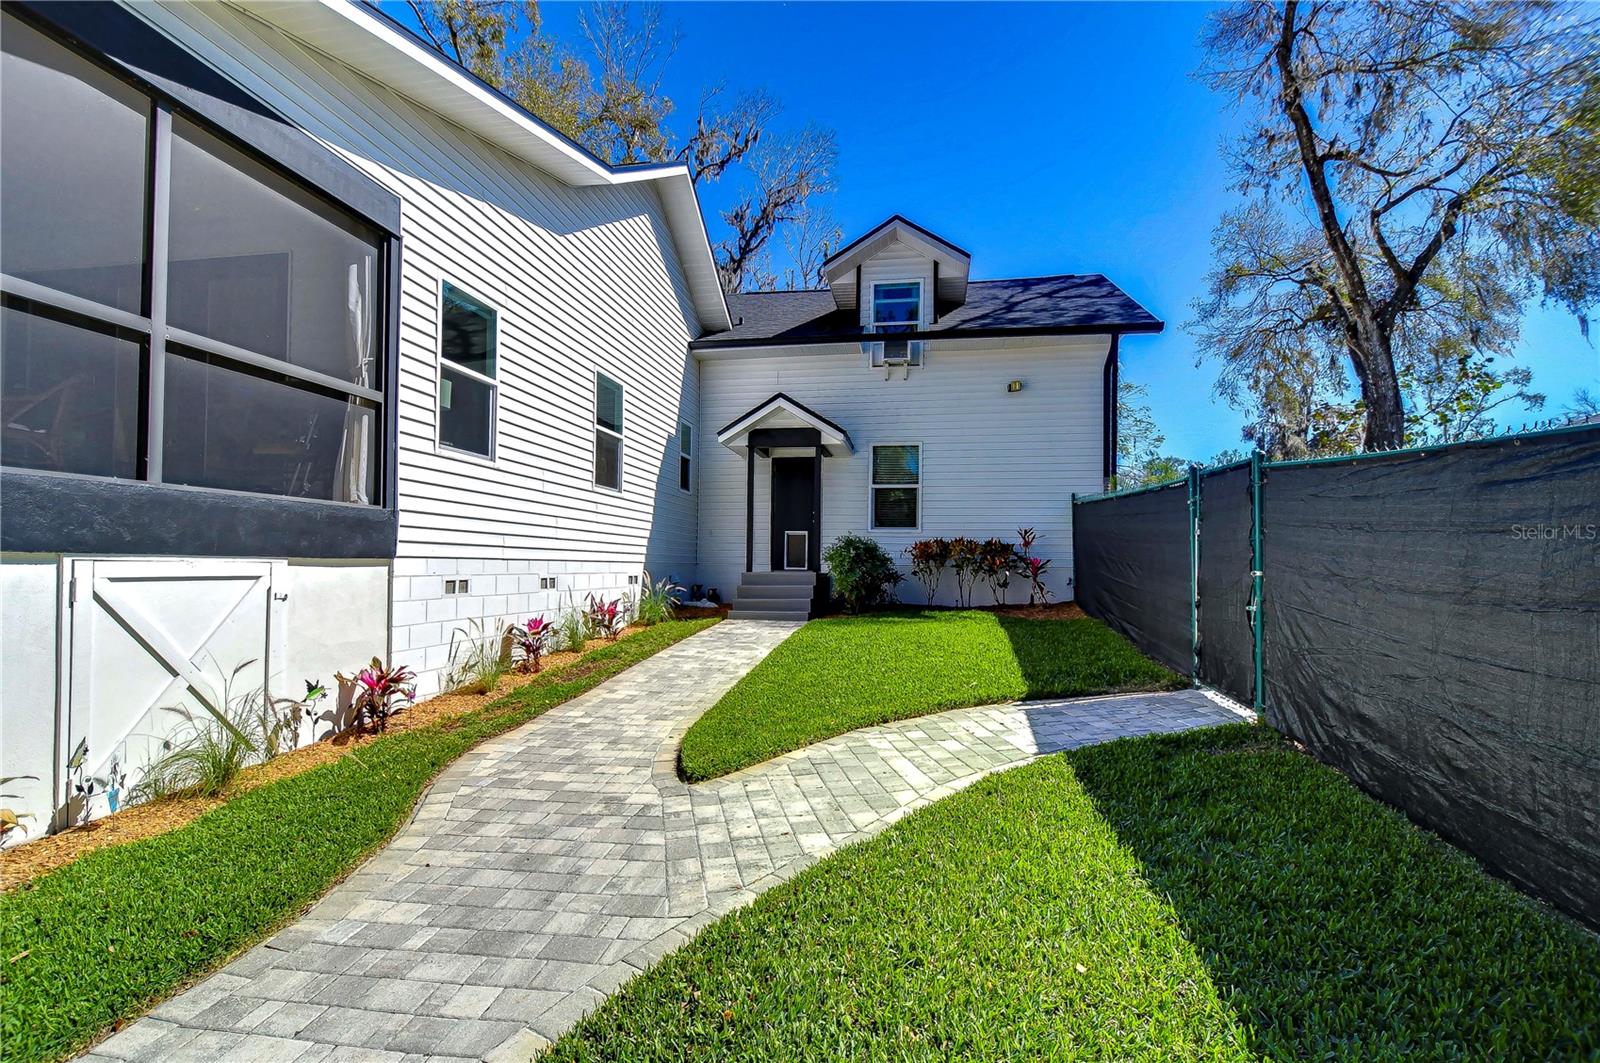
(928, 560)
(530, 637)
(380, 690)
(606, 618)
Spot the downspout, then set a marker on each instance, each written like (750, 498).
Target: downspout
(1110, 385)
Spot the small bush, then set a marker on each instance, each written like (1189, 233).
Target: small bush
(863, 572)
(478, 660)
(657, 600)
(572, 631)
(928, 560)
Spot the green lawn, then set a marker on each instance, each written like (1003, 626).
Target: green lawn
(107, 936)
(842, 673)
(1215, 895)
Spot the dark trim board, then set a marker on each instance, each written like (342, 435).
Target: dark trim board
(134, 49)
(58, 513)
(1111, 328)
(890, 220)
(1111, 385)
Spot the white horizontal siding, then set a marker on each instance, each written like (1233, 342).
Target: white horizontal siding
(897, 262)
(992, 461)
(583, 279)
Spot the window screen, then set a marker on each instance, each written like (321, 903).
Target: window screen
(607, 433)
(468, 362)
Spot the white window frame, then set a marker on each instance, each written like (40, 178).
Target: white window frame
(622, 443)
(686, 454)
(873, 486)
(493, 383)
(874, 325)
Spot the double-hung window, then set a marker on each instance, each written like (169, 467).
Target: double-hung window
(607, 432)
(468, 362)
(896, 306)
(897, 485)
(175, 310)
(685, 456)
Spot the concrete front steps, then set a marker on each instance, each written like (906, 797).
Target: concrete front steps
(777, 596)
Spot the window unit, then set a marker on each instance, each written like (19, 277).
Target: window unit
(896, 489)
(468, 371)
(607, 433)
(685, 456)
(175, 309)
(896, 306)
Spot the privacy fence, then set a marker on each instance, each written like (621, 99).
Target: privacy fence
(1428, 621)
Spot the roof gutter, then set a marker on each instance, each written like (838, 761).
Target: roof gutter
(1114, 329)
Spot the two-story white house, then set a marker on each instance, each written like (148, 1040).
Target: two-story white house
(316, 348)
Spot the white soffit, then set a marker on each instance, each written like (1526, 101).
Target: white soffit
(367, 42)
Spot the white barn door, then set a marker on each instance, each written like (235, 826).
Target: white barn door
(154, 645)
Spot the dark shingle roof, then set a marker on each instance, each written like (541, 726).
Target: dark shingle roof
(1073, 303)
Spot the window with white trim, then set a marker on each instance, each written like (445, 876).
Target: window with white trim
(607, 432)
(896, 306)
(468, 365)
(897, 485)
(685, 456)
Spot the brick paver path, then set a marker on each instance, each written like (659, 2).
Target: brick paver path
(550, 865)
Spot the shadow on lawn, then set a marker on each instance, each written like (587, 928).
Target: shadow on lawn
(1332, 926)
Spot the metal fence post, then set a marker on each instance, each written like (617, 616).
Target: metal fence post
(1194, 572)
(1256, 576)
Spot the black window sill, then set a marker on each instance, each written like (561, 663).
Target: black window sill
(52, 513)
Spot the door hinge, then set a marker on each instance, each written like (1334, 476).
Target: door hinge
(72, 592)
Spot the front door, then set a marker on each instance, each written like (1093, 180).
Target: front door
(794, 483)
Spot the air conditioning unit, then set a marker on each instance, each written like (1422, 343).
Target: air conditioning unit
(894, 353)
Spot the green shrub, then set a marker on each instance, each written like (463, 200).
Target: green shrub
(863, 572)
(656, 601)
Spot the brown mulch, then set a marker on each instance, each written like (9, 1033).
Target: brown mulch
(1055, 611)
(23, 863)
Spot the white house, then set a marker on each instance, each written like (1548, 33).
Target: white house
(316, 348)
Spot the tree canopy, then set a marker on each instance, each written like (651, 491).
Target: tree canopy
(605, 92)
(1413, 173)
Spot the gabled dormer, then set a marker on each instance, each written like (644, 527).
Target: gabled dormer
(898, 278)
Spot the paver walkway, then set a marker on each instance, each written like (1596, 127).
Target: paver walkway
(550, 865)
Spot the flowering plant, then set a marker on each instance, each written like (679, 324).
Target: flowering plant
(530, 637)
(379, 689)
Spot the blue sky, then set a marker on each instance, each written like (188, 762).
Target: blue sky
(1043, 138)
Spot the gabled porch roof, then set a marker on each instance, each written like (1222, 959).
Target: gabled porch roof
(777, 414)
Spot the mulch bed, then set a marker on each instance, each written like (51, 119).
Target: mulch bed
(23, 863)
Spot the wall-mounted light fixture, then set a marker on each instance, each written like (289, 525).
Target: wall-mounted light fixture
(1014, 386)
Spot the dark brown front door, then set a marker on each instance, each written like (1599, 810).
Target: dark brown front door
(794, 513)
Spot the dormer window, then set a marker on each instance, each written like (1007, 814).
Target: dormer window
(896, 306)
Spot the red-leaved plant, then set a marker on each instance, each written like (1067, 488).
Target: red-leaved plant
(606, 617)
(380, 689)
(928, 560)
(1033, 567)
(530, 637)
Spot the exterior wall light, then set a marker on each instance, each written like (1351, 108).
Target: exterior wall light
(1014, 386)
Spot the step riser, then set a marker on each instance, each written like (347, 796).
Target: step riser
(765, 614)
(794, 579)
(775, 590)
(768, 605)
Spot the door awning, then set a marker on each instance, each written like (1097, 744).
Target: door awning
(770, 423)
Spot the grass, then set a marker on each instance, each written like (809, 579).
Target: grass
(1210, 896)
(105, 937)
(839, 674)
